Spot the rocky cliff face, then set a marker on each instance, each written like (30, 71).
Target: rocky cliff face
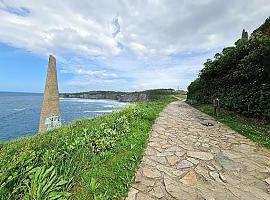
(122, 96)
(133, 98)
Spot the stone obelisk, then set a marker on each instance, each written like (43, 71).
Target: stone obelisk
(50, 113)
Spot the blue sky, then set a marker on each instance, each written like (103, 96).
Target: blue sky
(121, 45)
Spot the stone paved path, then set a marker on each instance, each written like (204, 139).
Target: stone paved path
(185, 159)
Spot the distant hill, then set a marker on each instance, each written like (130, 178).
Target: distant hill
(123, 96)
(4, 93)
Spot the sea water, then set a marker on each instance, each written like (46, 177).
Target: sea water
(19, 112)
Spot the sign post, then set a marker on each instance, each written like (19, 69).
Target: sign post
(216, 104)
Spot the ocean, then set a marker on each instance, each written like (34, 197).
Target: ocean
(19, 112)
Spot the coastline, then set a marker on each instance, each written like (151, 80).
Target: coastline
(21, 117)
(118, 138)
(140, 96)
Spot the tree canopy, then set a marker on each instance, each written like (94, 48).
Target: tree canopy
(239, 76)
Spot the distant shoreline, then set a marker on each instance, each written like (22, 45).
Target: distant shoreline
(124, 96)
(128, 97)
(19, 93)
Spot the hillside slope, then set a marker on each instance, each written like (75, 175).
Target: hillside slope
(122, 96)
(239, 76)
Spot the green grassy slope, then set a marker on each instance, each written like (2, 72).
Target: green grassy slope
(88, 159)
(254, 129)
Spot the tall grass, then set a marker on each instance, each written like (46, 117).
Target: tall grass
(254, 129)
(88, 159)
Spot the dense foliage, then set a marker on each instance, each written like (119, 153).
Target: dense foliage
(88, 159)
(239, 76)
(264, 28)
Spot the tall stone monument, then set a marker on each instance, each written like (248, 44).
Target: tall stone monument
(50, 113)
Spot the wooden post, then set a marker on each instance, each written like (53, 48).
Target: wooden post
(216, 104)
(215, 107)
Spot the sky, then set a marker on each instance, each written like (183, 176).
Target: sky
(121, 45)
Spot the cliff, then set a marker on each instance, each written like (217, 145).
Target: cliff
(122, 96)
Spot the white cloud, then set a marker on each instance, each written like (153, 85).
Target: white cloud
(56, 28)
(141, 46)
(102, 74)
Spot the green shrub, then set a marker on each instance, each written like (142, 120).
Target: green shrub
(239, 76)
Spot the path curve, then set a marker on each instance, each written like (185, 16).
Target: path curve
(186, 159)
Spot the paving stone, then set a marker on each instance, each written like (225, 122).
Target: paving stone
(190, 178)
(163, 153)
(215, 176)
(194, 161)
(169, 171)
(180, 152)
(150, 151)
(222, 177)
(157, 192)
(172, 160)
(267, 180)
(184, 164)
(216, 165)
(142, 188)
(200, 155)
(146, 181)
(142, 196)
(206, 145)
(210, 167)
(185, 160)
(178, 191)
(166, 146)
(148, 161)
(240, 194)
(132, 194)
(206, 193)
(172, 149)
(203, 172)
(228, 164)
(159, 159)
(232, 155)
(151, 172)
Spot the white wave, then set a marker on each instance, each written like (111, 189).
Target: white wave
(108, 106)
(97, 111)
(116, 105)
(18, 109)
(90, 100)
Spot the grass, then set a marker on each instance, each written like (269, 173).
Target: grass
(254, 129)
(88, 159)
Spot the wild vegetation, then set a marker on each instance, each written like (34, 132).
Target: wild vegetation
(239, 76)
(254, 129)
(88, 159)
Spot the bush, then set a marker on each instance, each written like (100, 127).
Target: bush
(239, 76)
